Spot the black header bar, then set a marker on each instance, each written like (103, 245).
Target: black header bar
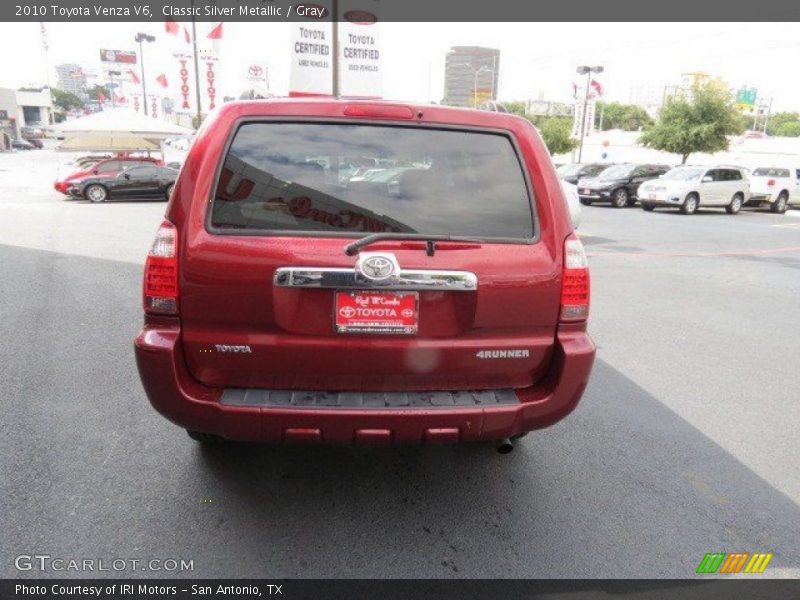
(400, 10)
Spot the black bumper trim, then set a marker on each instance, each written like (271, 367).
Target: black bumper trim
(360, 400)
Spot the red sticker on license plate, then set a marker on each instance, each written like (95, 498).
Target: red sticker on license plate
(376, 312)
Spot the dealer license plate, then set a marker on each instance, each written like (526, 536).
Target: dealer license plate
(369, 311)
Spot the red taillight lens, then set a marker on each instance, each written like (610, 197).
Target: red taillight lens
(574, 281)
(771, 182)
(161, 272)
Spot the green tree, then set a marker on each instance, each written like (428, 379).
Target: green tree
(555, 132)
(788, 129)
(701, 122)
(516, 107)
(95, 91)
(65, 100)
(780, 120)
(616, 115)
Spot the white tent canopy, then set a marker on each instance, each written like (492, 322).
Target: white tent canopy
(117, 130)
(106, 143)
(121, 121)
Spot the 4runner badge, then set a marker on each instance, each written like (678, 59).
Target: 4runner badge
(503, 354)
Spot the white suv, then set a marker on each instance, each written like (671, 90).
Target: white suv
(776, 187)
(690, 188)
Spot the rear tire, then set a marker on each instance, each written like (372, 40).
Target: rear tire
(690, 204)
(207, 439)
(620, 199)
(586, 202)
(96, 193)
(736, 204)
(647, 207)
(779, 206)
(168, 191)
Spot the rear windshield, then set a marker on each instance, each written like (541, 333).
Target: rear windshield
(351, 178)
(771, 172)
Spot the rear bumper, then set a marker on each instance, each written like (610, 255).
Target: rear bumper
(758, 198)
(180, 398)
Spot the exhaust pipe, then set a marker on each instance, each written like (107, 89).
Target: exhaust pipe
(504, 446)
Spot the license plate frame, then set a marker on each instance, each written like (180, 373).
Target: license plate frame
(375, 312)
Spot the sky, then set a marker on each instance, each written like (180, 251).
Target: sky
(537, 60)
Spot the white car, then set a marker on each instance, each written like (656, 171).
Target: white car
(573, 202)
(689, 188)
(776, 187)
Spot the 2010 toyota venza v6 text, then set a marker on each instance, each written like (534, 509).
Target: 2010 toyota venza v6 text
(368, 273)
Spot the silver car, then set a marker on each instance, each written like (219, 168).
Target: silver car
(689, 188)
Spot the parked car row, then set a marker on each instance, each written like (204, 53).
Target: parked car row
(685, 187)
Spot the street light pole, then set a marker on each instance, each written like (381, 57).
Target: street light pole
(111, 75)
(475, 72)
(335, 48)
(143, 37)
(588, 71)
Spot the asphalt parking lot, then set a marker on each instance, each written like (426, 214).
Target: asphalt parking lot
(686, 441)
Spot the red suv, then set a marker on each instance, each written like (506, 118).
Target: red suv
(287, 299)
(108, 167)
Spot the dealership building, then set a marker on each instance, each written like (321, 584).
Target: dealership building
(25, 107)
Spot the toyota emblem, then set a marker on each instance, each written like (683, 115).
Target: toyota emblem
(376, 267)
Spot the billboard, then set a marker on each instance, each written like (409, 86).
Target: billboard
(125, 57)
(311, 67)
(359, 55)
(746, 98)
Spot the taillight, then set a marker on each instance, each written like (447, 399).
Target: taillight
(161, 272)
(771, 182)
(574, 281)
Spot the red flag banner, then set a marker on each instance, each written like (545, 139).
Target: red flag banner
(171, 27)
(187, 38)
(216, 33)
(162, 80)
(134, 77)
(211, 89)
(184, 67)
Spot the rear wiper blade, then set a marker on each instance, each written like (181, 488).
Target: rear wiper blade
(351, 249)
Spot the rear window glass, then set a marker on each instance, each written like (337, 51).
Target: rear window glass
(351, 178)
(107, 167)
(771, 172)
